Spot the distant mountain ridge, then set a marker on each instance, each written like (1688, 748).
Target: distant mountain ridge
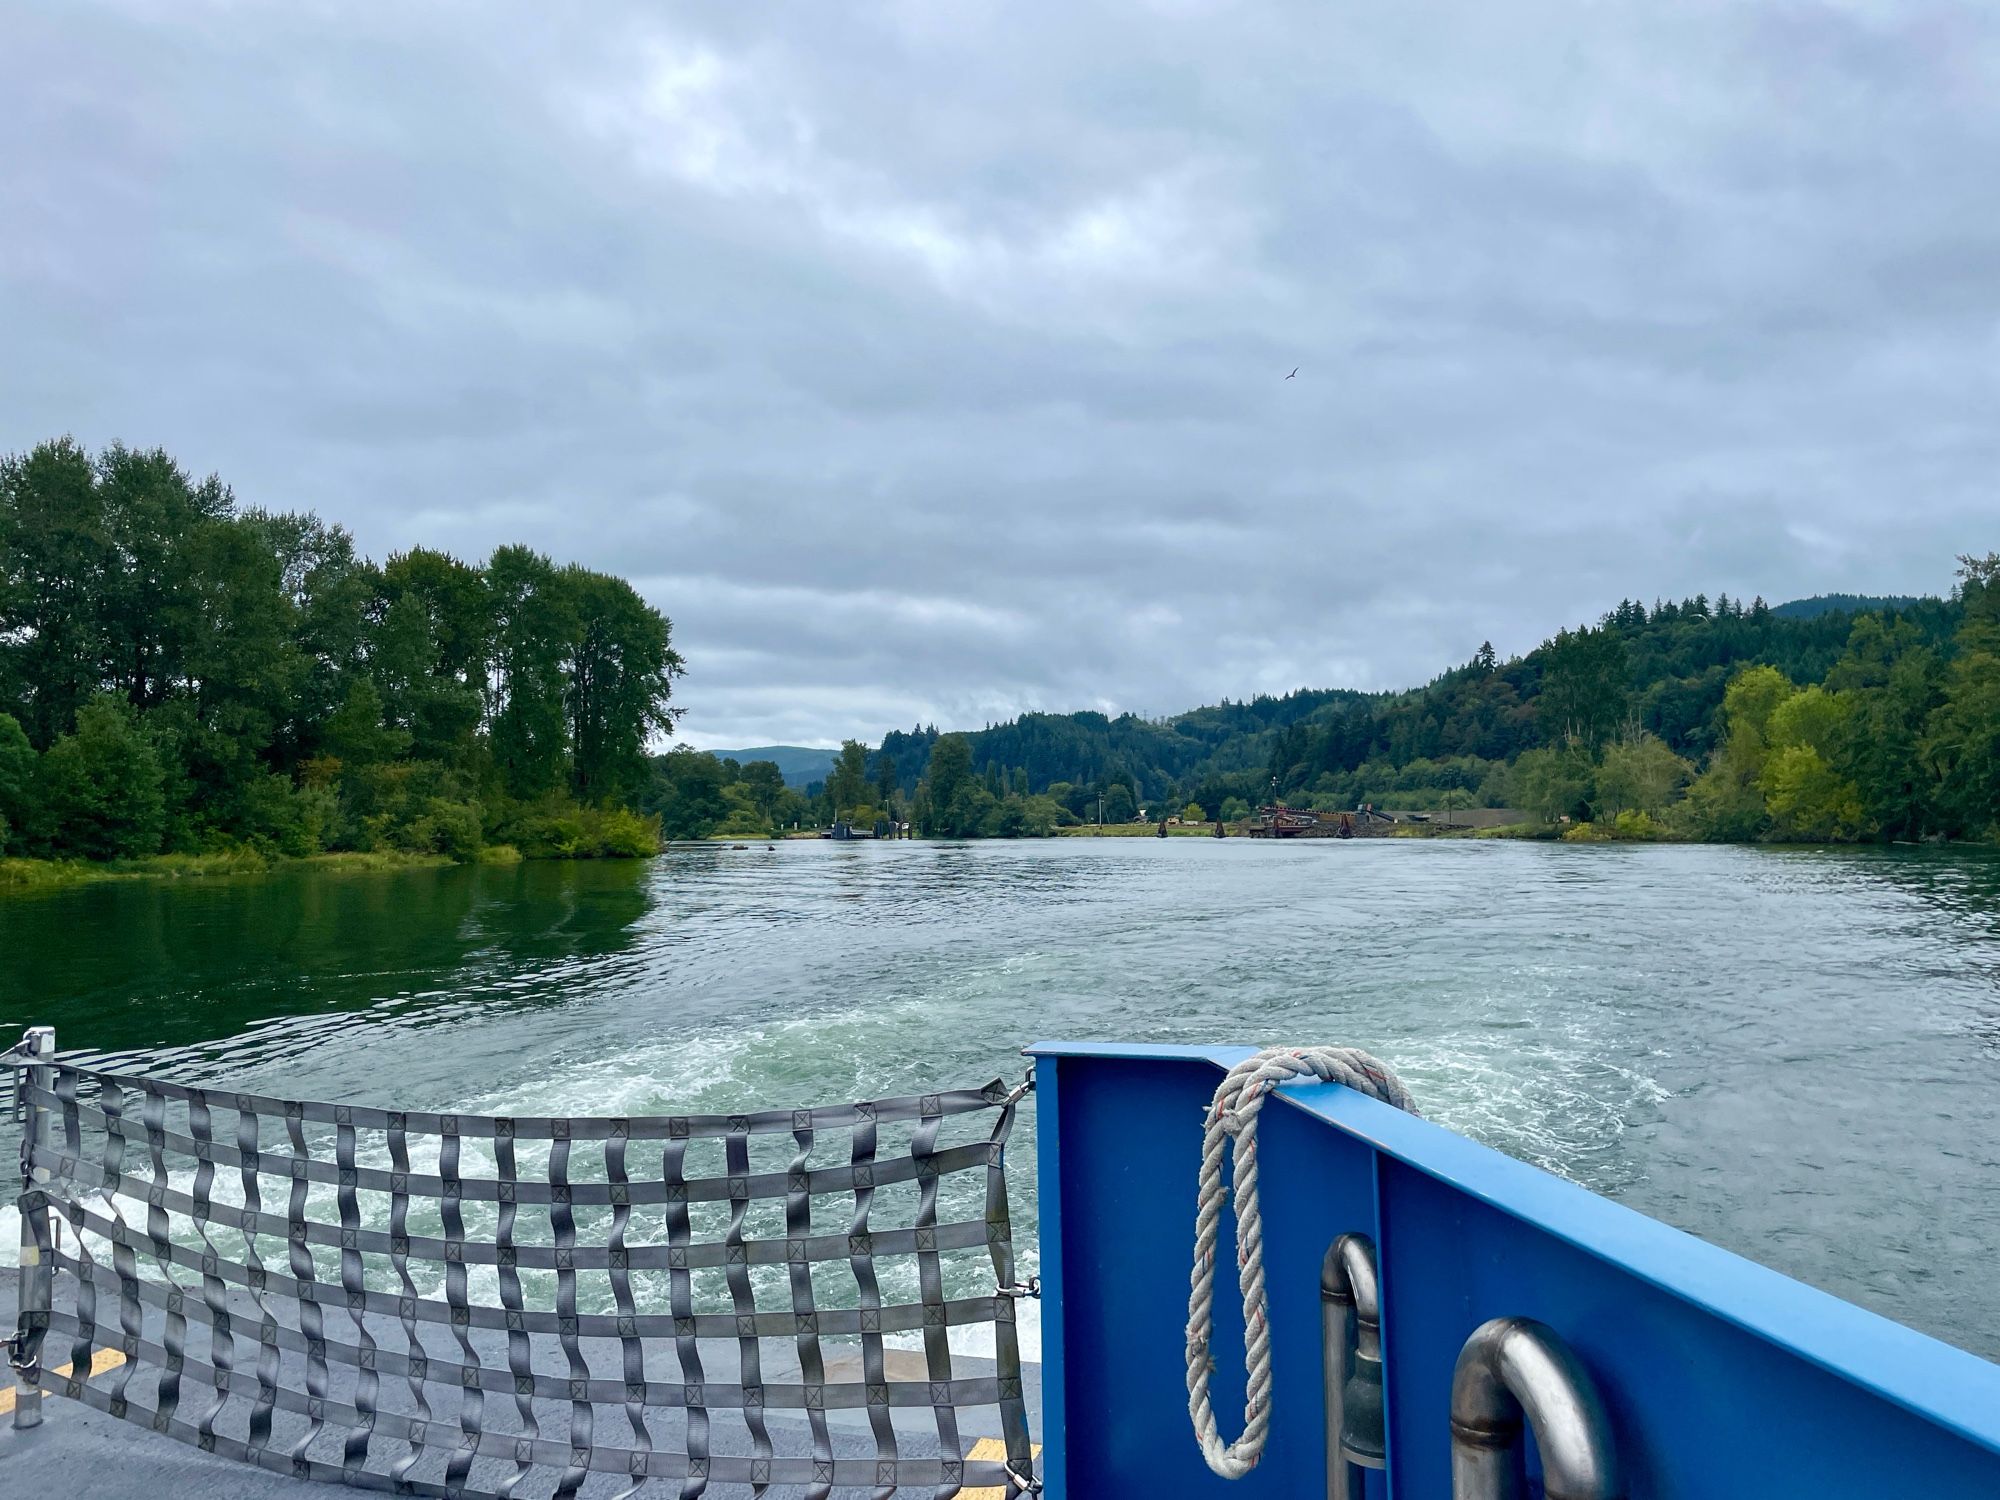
(1848, 604)
(800, 765)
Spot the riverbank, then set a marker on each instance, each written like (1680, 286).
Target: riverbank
(1137, 831)
(22, 876)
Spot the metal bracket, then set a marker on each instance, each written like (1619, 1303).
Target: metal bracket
(1032, 1287)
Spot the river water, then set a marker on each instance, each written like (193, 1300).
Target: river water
(1795, 1054)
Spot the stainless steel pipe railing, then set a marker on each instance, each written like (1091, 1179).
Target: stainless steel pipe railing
(1515, 1369)
(1350, 1306)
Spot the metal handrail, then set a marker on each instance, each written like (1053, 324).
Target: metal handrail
(1513, 1368)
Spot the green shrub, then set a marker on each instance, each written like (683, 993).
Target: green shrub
(554, 827)
(1588, 833)
(1630, 826)
(288, 820)
(101, 787)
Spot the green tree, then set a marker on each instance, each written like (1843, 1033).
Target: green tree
(968, 812)
(356, 734)
(1118, 804)
(1553, 782)
(243, 673)
(950, 771)
(17, 784)
(1639, 774)
(1892, 682)
(687, 793)
(533, 625)
(1727, 800)
(1583, 685)
(55, 557)
(1453, 799)
(1962, 736)
(887, 789)
(1807, 799)
(764, 784)
(155, 523)
(430, 653)
(847, 782)
(1194, 813)
(330, 590)
(621, 673)
(101, 787)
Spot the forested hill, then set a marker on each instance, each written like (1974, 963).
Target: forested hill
(1675, 660)
(1848, 604)
(799, 765)
(1641, 690)
(1089, 749)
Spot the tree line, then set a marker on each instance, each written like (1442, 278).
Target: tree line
(181, 673)
(1835, 718)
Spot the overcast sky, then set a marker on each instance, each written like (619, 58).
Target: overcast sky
(925, 361)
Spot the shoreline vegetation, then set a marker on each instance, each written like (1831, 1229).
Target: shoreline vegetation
(192, 686)
(31, 875)
(189, 685)
(1837, 719)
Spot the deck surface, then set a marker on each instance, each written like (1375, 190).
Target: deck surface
(78, 1450)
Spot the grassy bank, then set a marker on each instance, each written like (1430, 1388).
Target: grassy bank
(1136, 831)
(31, 875)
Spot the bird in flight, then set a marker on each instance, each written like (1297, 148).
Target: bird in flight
(1295, 370)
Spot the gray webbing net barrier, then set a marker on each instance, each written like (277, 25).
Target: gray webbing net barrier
(465, 1305)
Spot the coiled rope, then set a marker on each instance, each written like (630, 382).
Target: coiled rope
(1239, 1099)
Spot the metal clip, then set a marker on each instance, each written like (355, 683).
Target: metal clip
(1021, 1090)
(19, 1360)
(1028, 1486)
(1032, 1287)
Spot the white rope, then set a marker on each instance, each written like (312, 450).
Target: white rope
(1238, 1100)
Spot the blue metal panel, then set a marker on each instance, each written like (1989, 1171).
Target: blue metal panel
(1722, 1378)
(1049, 1216)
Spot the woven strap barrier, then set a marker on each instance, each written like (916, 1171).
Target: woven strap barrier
(1232, 1117)
(470, 1305)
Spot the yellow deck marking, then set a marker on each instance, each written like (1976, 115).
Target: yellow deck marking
(991, 1450)
(102, 1360)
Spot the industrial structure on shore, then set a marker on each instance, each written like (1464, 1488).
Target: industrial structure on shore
(1277, 821)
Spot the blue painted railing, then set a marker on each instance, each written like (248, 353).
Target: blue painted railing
(1721, 1378)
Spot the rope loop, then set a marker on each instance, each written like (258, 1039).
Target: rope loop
(1232, 1118)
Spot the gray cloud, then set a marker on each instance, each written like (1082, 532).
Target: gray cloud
(924, 363)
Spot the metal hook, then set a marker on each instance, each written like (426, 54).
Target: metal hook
(1022, 1089)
